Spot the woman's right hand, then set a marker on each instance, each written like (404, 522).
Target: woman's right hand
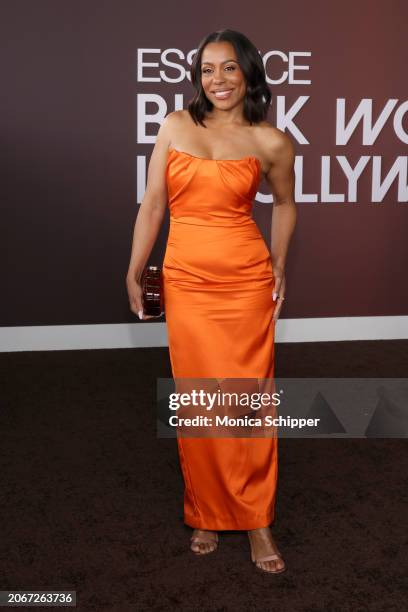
(135, 294)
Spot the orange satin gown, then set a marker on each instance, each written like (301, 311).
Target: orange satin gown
(218, 284)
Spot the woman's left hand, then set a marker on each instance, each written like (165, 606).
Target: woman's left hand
(278, 291)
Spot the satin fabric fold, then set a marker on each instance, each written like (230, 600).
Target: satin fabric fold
(218, 284)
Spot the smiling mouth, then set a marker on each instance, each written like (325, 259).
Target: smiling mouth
(221, 94)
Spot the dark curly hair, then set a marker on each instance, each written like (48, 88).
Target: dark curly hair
(258, 95)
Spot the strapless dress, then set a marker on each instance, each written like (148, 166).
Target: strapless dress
(218, 283)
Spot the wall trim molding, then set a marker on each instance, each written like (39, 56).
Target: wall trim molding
(139, 335)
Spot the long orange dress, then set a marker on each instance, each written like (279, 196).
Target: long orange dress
(218, 284)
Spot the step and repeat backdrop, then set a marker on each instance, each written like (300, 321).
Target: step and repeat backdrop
(85, 87)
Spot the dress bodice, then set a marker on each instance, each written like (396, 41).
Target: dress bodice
(211, 191)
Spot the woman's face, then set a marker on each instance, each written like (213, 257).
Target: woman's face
(221, 76)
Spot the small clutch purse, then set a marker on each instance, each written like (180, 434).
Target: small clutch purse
(152, 291)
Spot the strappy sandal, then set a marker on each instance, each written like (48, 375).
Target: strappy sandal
(196, 539)
(268, 558)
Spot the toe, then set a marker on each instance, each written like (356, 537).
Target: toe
(202, 546)
(277, 565)
(271, 566)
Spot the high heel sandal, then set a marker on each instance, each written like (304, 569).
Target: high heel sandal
(268, 558)
(196, 539)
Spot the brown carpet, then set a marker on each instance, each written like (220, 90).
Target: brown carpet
(91, 500)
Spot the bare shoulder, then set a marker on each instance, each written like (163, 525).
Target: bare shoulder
(171, 124)
(175, 117)
(274, 143)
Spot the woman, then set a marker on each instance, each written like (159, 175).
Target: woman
(223, 289)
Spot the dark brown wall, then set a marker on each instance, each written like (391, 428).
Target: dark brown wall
(68, 123)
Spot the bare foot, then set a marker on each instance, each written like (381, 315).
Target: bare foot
(204, 541)
(262, 545)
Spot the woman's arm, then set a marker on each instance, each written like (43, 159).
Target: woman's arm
(281, 178)
(149, 217)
